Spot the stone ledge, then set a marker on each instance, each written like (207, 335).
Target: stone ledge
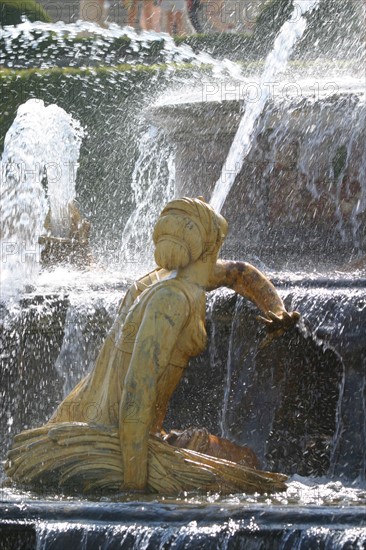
(56, 524)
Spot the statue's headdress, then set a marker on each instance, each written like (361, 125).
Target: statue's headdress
(186, 230)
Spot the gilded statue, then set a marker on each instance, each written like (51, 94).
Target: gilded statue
(107, 434)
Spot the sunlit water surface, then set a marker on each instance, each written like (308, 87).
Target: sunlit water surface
(300, 491)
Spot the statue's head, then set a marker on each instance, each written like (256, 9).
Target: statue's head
(187, 230)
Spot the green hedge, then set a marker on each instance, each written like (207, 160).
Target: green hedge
(334, 30)
(82, 90)
(11, 12)
(40, 49)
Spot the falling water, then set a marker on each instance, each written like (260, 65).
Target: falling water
(23, 203)
(224, 427)
(276, 63)
(152, 185)
(41, 149)
(330, 158)
(300, 402)
(197, 524)
(86, 324)
(336, 318)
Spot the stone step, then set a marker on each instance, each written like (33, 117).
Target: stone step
(111, 524)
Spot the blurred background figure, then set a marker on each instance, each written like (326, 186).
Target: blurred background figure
(218, 15)
(209, 16)
(143, 14)
(174, 17)
(94, 11)
(212, 15)
(194, 7)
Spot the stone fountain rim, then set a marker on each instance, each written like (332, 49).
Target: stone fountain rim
(148, 512)
(189, 117)
(231, 104)
(278, 278)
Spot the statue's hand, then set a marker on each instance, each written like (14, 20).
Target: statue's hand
(277, 325)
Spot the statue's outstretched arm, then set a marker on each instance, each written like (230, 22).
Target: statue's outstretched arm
(251, 283)
(156, 337)
(248, 281)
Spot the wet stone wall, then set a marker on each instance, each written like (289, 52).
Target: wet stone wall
(31, 338)
(281, 400)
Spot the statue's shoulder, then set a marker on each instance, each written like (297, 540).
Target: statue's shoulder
(170, 292)
(172, 288)
(156, 282)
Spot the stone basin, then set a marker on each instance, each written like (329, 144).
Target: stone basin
(299, 200)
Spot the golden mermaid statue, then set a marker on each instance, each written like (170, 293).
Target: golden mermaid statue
(107, 435)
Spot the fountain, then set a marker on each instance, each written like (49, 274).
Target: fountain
(39, 165)
(321, 226)
(300, 401)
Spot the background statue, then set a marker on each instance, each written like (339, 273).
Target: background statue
(108, 433)
(72, 248)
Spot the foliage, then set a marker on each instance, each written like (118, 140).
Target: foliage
(339, 161)
(11, 12)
